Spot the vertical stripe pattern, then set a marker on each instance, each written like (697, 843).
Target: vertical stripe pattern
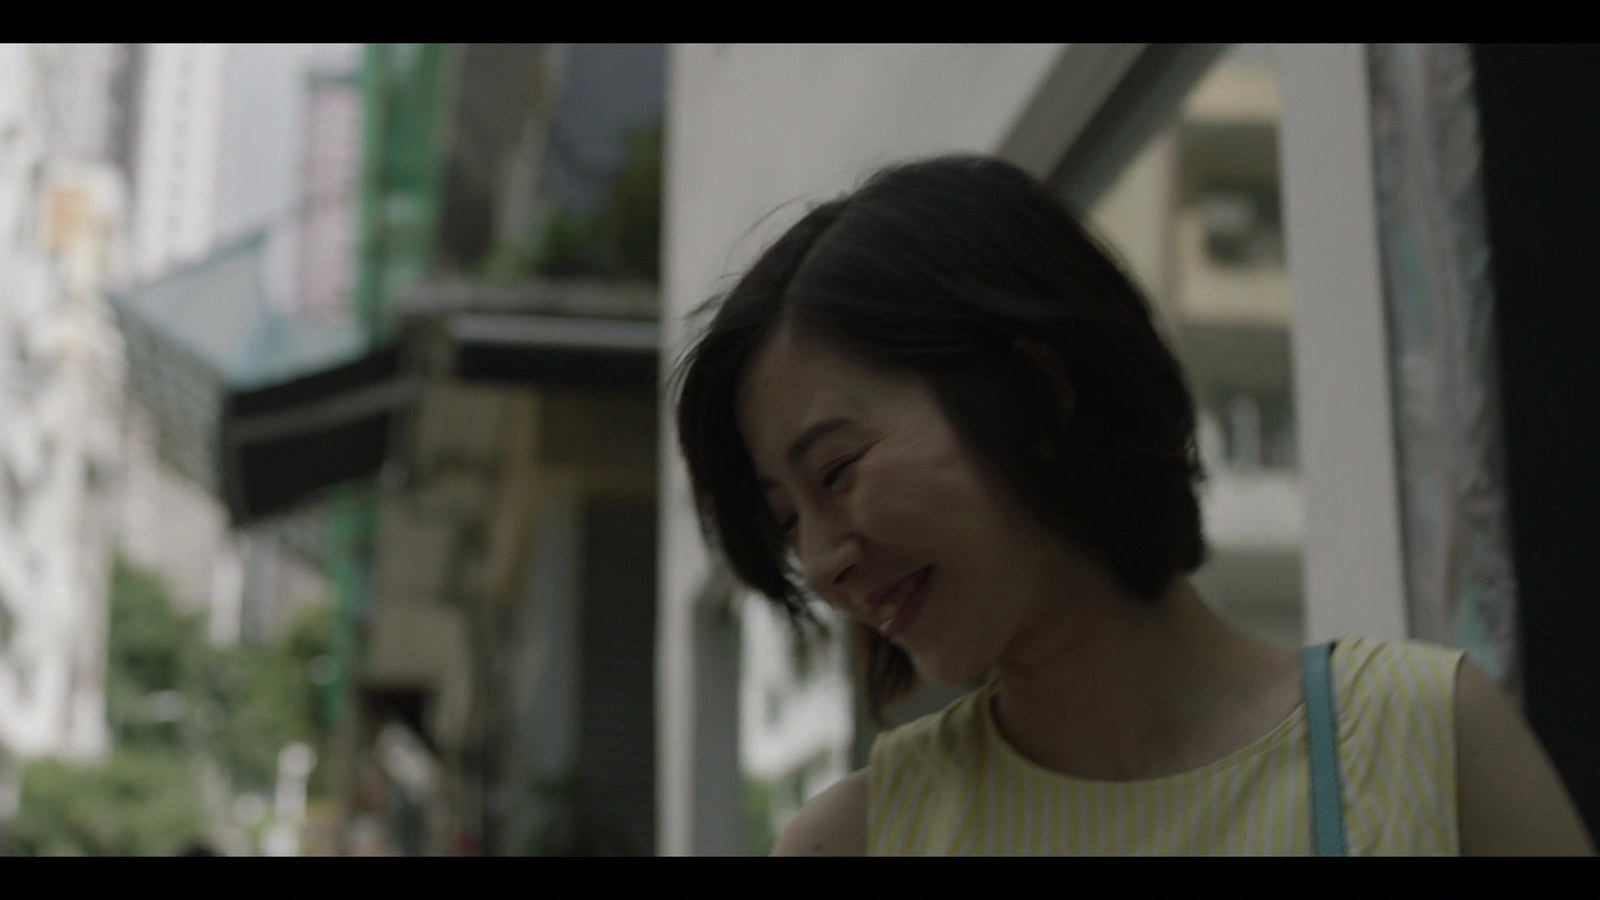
(948, 784)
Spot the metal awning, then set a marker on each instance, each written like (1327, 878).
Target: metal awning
(579, 332)
(285, 444)
(282, 445)
(204, 331)
(550, 351)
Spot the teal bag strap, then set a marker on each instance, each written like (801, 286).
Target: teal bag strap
(1327, 801)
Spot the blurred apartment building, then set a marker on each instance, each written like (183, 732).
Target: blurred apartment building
(490, 460)
(225, 167)
(1197, 217)
(331, 162)
(144, 274)
(62, 207)
(178, 103)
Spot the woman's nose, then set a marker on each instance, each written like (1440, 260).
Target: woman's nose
(827, 556)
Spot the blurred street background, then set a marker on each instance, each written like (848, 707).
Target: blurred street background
(338, 510)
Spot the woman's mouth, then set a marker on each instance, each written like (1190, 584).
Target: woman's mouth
(895, 613)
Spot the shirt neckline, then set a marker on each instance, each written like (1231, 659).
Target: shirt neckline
(1288, 728)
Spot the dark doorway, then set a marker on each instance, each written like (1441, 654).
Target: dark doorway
(1540, 121)
(616, 791)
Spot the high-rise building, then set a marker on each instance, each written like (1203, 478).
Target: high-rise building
(330, 165)
(179, 153)
(59, 392)
(1197, 219)
(221, 135)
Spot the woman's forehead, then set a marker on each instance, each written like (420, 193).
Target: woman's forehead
(788, 375)
(795, 383)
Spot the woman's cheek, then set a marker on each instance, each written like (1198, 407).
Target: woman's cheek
(884, 506)
(868, 488)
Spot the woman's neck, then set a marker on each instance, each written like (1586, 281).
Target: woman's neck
(1122, 689)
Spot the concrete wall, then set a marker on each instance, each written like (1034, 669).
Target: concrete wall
(200, 559)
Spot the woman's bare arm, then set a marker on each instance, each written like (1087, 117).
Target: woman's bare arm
(1511, 801)
(834, 823)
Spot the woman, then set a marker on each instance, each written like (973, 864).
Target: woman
(939, 406)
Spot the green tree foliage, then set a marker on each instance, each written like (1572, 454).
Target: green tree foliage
(759, 836)
(629, 224)
(152, 649)
(560, 828)
(567, 249)
(172, 695)
(261, 698)
(622, 239)
(140, 803)
(309, 643)
(240, 703)
(256, 705)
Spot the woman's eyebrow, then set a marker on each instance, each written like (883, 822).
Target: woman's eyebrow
(803, 444)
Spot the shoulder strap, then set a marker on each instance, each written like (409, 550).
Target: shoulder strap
(1327, 802)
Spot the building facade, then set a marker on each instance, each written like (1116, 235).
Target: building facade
(491, 460)
(179, 157)
(60, 390)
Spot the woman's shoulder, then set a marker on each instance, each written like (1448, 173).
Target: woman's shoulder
(835, 822)
(1356, 648)
(1397, 693)
(1503, 795)
(951, 730)
(1394, 673)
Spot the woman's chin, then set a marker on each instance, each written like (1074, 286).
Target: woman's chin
(946, 674)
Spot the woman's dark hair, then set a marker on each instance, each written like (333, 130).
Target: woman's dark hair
(962, 269)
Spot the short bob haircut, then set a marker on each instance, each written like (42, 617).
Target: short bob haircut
(946, 267)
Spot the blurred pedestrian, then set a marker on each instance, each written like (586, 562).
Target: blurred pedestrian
(939, 405)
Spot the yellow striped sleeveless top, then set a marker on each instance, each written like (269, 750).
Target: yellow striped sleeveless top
(948, 784)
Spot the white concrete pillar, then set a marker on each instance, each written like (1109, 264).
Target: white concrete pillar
(1354, 580)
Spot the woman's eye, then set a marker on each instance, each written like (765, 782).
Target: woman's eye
(832, 474)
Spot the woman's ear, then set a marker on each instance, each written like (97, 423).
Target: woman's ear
(1047, 359)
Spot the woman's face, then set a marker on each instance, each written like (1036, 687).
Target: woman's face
(890, 514)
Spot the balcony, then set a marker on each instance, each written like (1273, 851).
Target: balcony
(1255, 523)
(1262, 511)
(1251, 295)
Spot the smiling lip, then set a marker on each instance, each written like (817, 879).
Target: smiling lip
(900, 601)
(882, 595)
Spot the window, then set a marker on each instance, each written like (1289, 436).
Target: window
(1257, 433)
(1241, 225)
